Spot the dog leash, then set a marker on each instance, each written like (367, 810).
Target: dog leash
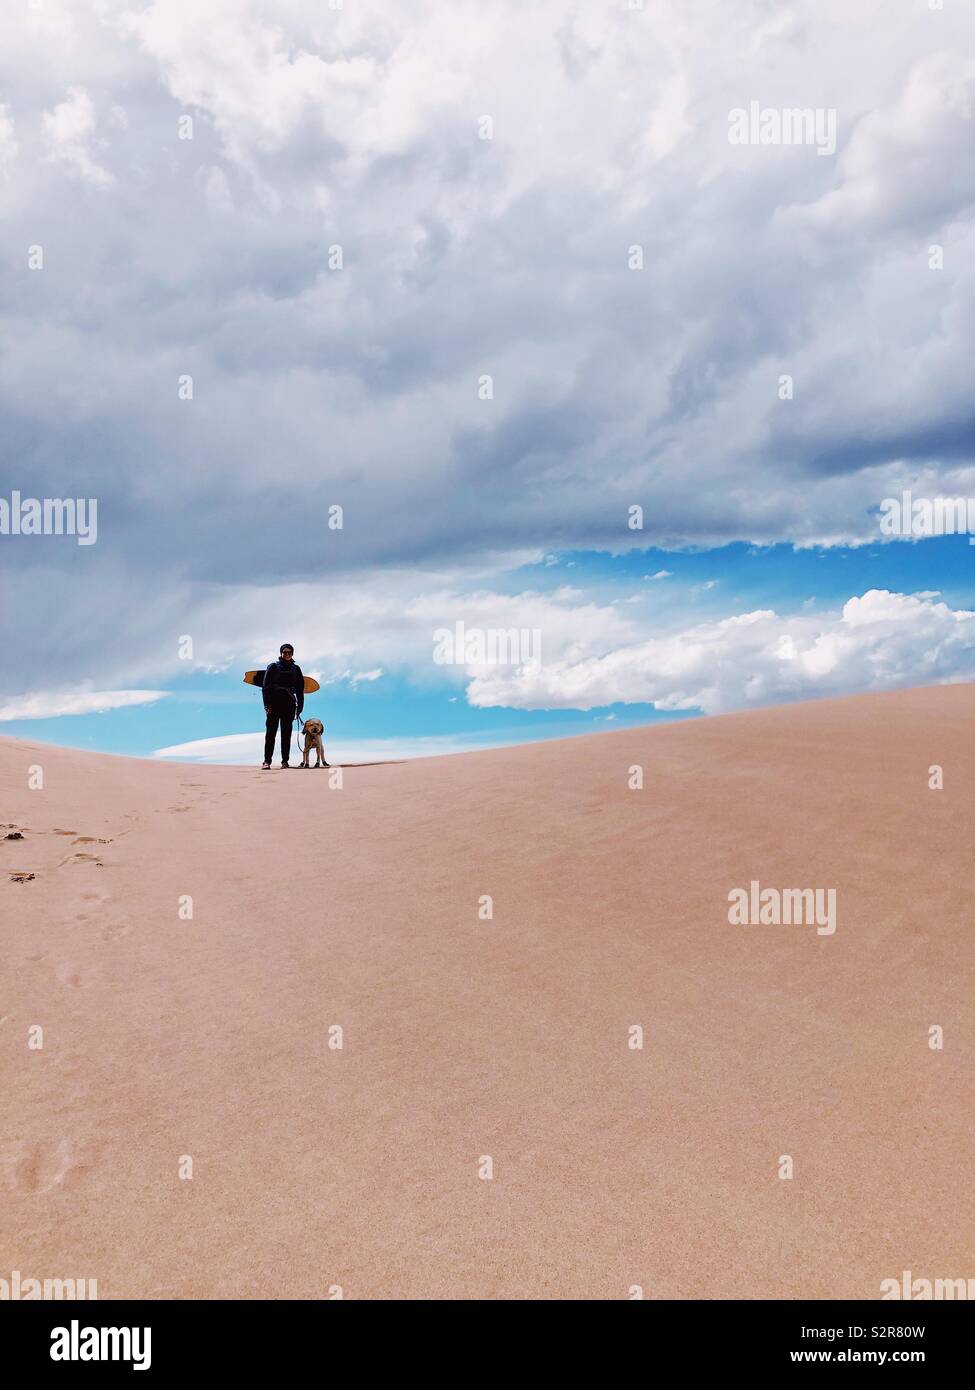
(301, 722)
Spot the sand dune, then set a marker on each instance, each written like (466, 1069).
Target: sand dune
(315, 1167)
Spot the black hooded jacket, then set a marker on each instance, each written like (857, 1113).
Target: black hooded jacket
(282, 680)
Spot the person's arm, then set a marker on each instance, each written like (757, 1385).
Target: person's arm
(269, 675)
(300, 688)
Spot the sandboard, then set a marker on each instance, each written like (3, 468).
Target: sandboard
(257, 678)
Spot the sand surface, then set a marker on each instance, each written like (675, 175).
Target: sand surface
(315, 1167)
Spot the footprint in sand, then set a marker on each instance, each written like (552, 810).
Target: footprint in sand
(80, 858)
(68, 975)
(63, 832)
(113, 930)
(90, 840)
(98, 899)
(36, 1168)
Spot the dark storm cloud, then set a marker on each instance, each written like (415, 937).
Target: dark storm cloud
(464, 257)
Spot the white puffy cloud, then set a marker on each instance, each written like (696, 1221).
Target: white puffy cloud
(879, 641)
(53, 704)
(70, 132)
(8, 139)
(393, 617)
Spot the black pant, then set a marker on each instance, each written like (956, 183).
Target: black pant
(275, 717)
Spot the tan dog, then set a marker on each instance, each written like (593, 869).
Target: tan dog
(314, 728)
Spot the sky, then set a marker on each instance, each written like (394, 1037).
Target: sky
(360, 321)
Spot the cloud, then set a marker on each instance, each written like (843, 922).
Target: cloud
(8, 139)
(70, 132)
(879, 641)
(54, 704)
(900, 157)
(461, 257)
(353, 677)
(249, 748)
(380, 624)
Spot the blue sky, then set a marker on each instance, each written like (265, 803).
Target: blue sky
(478, 281)
(410, 710)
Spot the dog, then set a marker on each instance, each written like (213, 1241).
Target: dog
(314, 728)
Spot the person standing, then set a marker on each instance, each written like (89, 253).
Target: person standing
(284, 697)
